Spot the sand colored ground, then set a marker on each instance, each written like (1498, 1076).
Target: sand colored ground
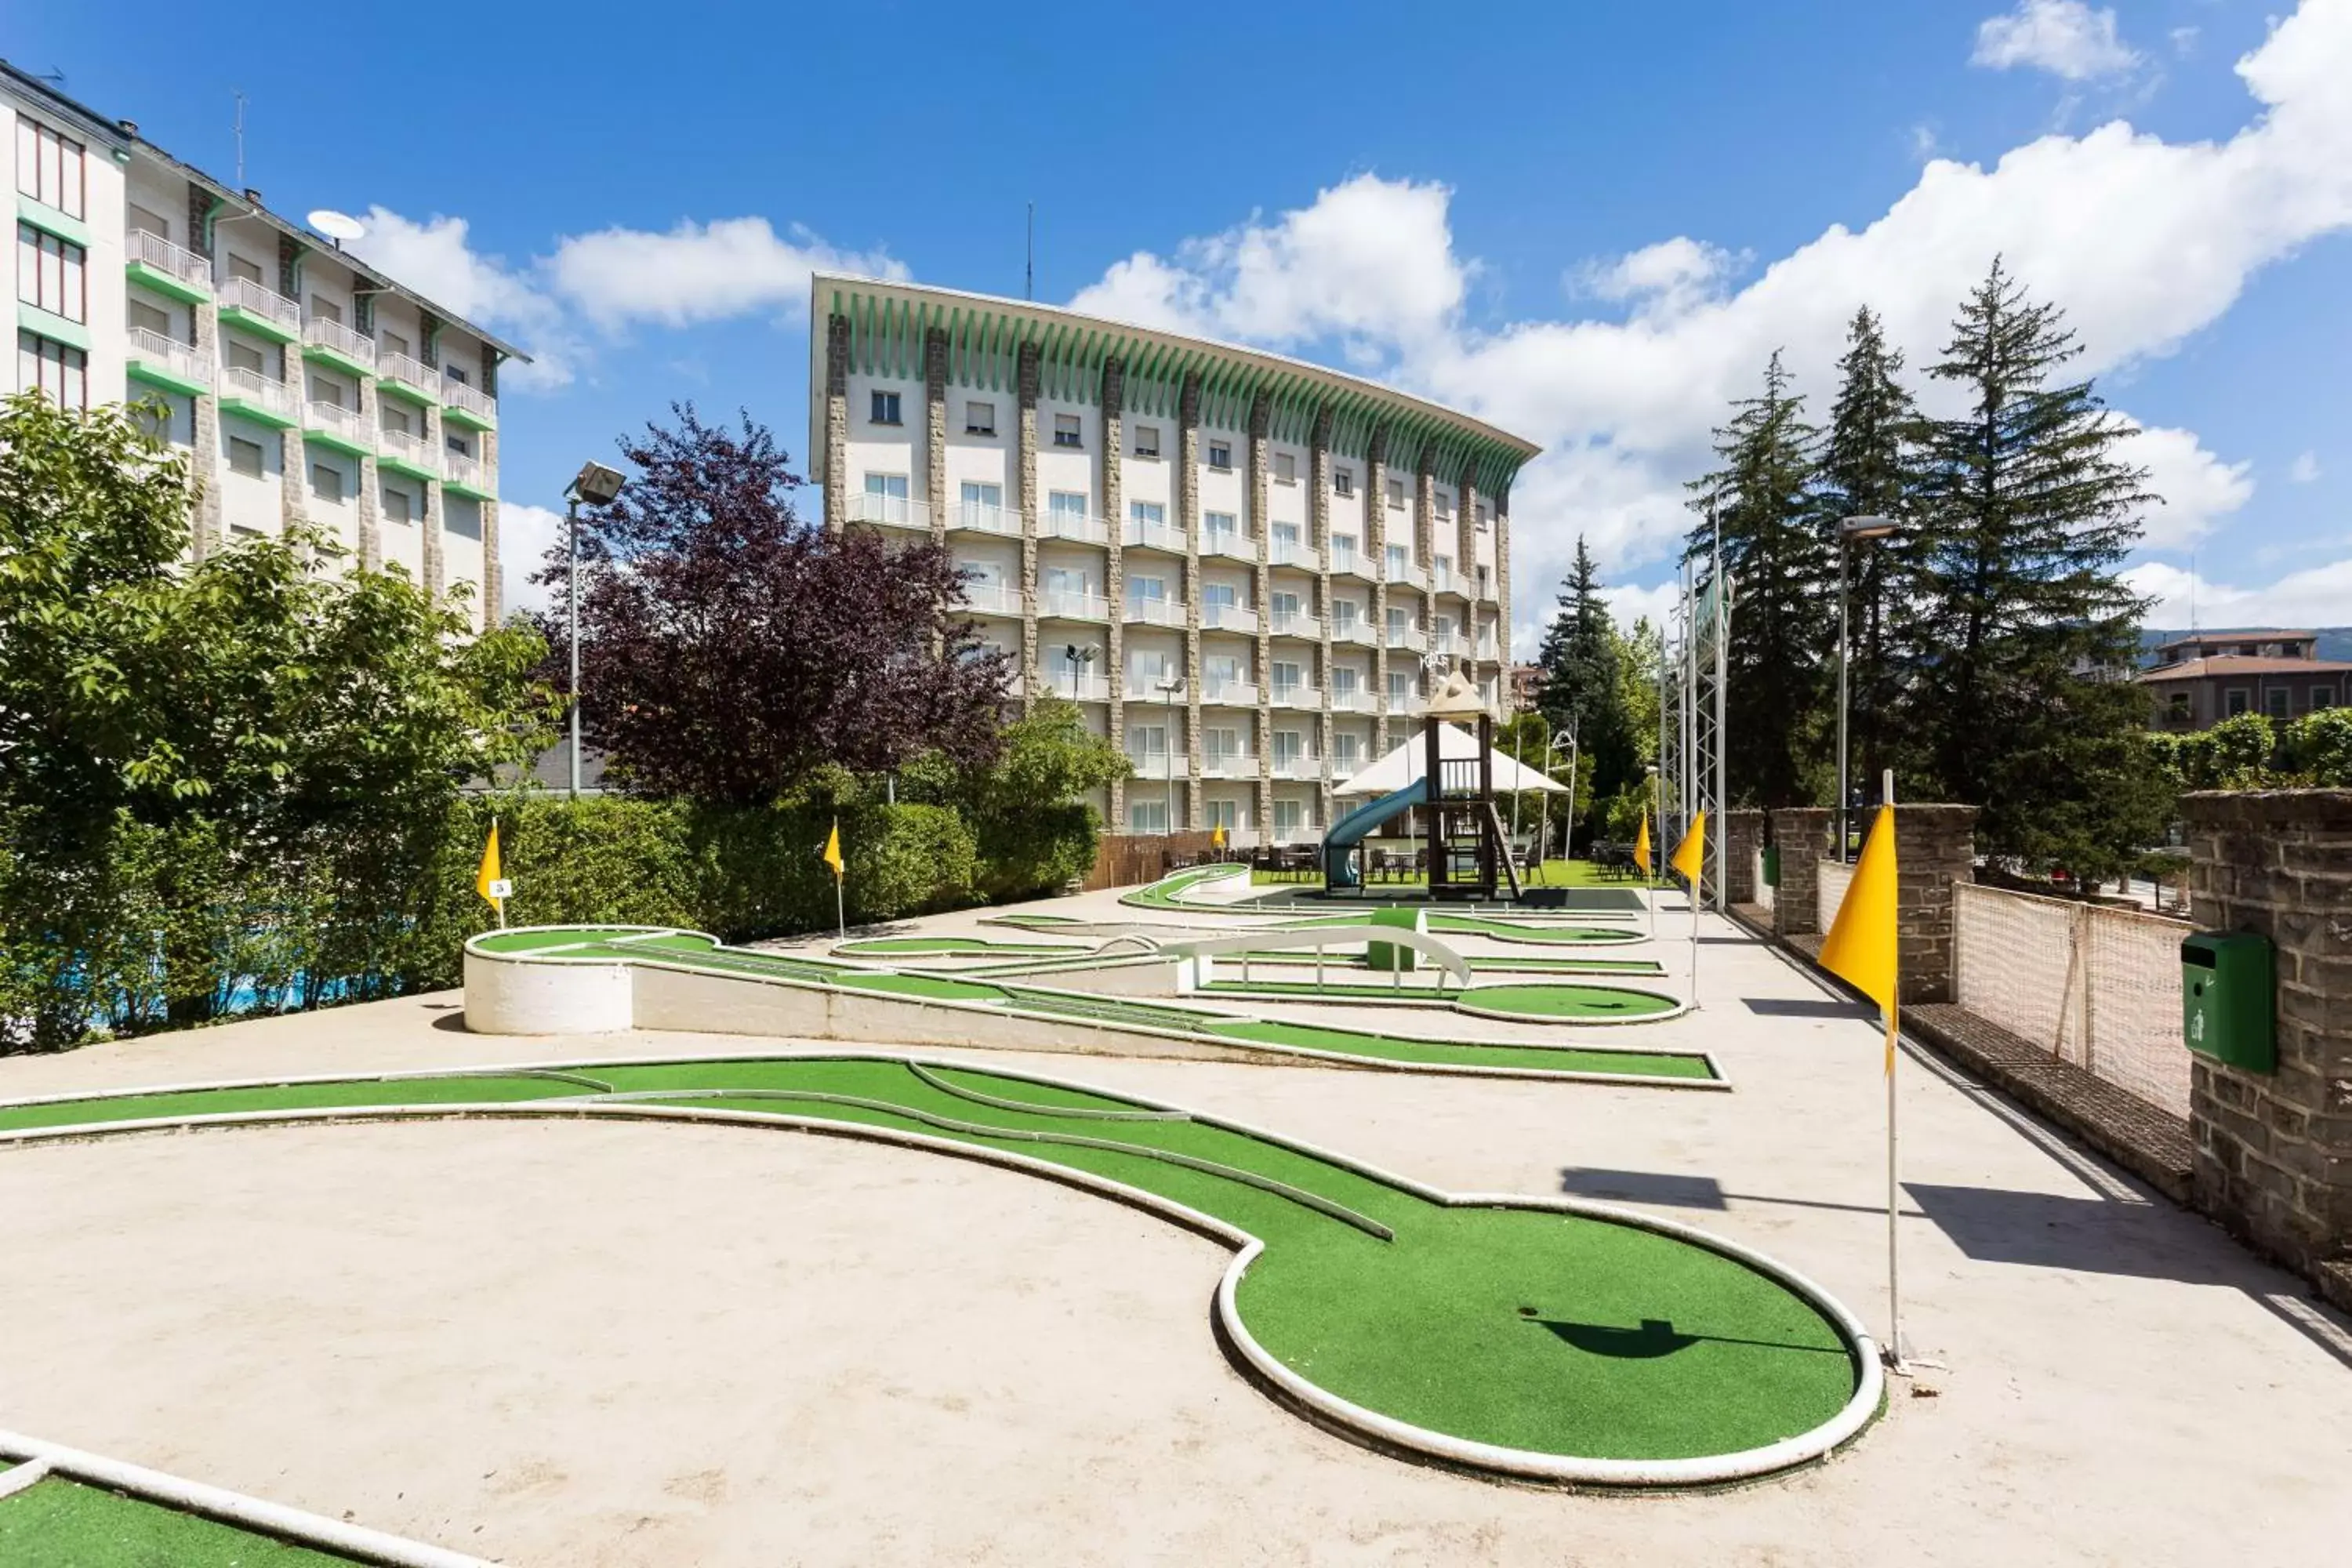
(609, 1345)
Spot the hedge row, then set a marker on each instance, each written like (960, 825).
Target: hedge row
(175, 927)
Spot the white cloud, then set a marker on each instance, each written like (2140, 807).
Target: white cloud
(1663, 280)
(2065, 38)
(525, 533)
(698, 271)
(2315, 596)
(2305, 469)
(2184, 41)
(1366, 257)
(434, 259)
(2142, 241)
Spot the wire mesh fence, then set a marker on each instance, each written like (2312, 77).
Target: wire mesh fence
(1834, 880)
(2097, 987)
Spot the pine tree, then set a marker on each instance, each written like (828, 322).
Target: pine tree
(1869, 466)
(1581, 676)
(2022, 705)
(1765, 501)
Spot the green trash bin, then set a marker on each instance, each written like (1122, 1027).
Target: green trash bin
(2228, 986)
(1771, 865)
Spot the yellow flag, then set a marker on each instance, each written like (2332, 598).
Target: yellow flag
(1691, 853)
(1217, 836)
(833, 848)
(489, 873)
(1641, 846)
(1861, 946)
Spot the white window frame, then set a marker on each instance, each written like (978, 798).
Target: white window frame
(1069, 432)
(1146, 441)
(261, 457)
(1221, 456)
(1343, 480)
(1286, 468)
(979, 416)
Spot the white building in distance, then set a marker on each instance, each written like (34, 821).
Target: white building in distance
(1242, 567)
(302, 382)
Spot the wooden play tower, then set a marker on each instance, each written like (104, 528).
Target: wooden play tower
(1469, 858)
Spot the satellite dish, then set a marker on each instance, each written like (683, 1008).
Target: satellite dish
(337, 226)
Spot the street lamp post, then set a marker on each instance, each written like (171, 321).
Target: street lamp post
(1168, 689)
(1080, 658)
(598, 486)
(1543, 824)
(1860, 528)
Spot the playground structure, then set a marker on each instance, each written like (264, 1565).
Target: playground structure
(1469, 856)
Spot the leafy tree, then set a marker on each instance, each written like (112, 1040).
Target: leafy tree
(1027, 804)
(1583, 684)
(730, 648)
(1870, 468)
(1762, 498)
(2317, 749)
(2029, 512)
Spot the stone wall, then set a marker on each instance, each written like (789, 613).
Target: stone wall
(1935, 850)
(2274, 1151)
(1803, 834)
(1743, 836)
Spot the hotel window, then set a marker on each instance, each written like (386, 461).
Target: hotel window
(1343, 616)
(1445, 506)
(1145, 742)
(1486, 517)
(2321, 697)
(1221, 456)
(144, 220)
(2274, 699)
(1219, 596)
(1346, 751)
(397, 506)
(326, 482)
(1286, 536)
(458, 444)
(1399, 691)
(244, 456)
(1444, 562)
(885, 498)
(979, 418)
(882, 409)
(983, 504)
(245, 356)
(50, 274)
(144, 317)
(1485, 582)
(1224, 529)
(1147, 440)
(395, 415)
(1289, 818)
(325, 309)
(392, 342)
(1066, 430)
(1290, 746)
(1143, 590)
(1343, 482)
(451, 373)
(1344, 681)
(1225, 814)
(1285, 675)
(1286, 468)
(1149, 515)
(238, 266)
(1396, 495)
(1067, 510)
(1284, 606)
(1220, 745)
(1400, 563)
(49, 167)
(1147, 815)
(59, 372)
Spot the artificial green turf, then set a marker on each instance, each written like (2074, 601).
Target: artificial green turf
(912, 946)
(1401, 1048)
(1540, 999)
(60, 1523)
(1561, 1333)
(1294, 955)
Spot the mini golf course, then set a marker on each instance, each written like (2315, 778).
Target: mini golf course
(1551, 1003)
(1555, 1340)
(1178, 891)
(1543, 1002)
(981, 949)
(75, 1525)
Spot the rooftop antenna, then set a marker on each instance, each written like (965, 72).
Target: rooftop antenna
(1029, 269)
(240, 141)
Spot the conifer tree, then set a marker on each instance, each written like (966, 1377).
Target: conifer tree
(1582, 684)
(1869, 466)
(2022, 703)
(1764, 499)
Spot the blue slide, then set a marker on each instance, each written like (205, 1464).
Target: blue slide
(1342, 857)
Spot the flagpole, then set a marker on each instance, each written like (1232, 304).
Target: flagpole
(840, 908)
(1894, 1180)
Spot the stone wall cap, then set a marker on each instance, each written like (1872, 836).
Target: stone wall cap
(2330, 809)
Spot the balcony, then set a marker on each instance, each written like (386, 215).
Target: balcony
(1157, 765)
(262, 312)
(1353, 700)
(1296, 624)
(175, 366)
(1072, 604)
(987, 598)
(974, 517)
(258, 397)
(1352, 564)
(1286, 552)
(1404, 574)
(1229, 765)
(466, 475)
(1140, 534)
(465, 404)
(1286, 767)
(1077, 687)
(1358, 633)
(1229, 543)
(1075, 526)
(891, 511)
(408, 377)
(1407, 638)
(1453, 645)
(1445, 580)
(1142, 611)
(405, 452)
(1296, 695)
(154, 262)
(338, 345)
(332, 424)
(1230, 693)
(1228, 618)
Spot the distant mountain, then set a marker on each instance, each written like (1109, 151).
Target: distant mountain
(2335, 642)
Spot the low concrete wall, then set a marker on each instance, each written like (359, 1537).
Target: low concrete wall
(506, 996)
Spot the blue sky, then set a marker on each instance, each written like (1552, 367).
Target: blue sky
(1589, 224)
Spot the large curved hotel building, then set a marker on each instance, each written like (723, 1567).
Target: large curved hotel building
(1244, 569)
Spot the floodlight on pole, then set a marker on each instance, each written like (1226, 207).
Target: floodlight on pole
(598, 486)
(1168, 689)
(1860, 528)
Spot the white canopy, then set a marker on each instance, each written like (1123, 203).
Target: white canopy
(1405, 764)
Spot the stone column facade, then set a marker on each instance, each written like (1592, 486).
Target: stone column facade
(1803, 834)
(494, 572)
(1376, 538)
(1318, 539)
(1261, 419)
(1935, 849)
(836, 477)
(1113, 485)
(2274, 1151)
(1503, 589)
(1743, 836)
(1465, 551)
(934, 430)
(1026, 388)
(435, 563)
(1187, 518)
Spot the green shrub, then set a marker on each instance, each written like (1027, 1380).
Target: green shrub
(2316, 749)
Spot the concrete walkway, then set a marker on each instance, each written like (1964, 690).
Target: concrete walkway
(608, 1345)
